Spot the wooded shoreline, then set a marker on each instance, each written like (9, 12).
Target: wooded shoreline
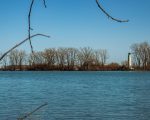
(42, 67)
(73, 59)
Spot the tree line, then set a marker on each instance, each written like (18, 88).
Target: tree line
(56, 59)
(84, 58)
(141, 55)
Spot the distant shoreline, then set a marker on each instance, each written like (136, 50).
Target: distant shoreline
(105, 69)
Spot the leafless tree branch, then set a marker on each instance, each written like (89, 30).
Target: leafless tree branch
(29, 114)
(29, 25)
(44, 3)
(108, 15)
(29, 22)
(21, 44)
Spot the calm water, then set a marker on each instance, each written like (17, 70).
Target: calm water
(75, 95)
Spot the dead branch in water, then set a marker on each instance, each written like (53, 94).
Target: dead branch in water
(108, 15)
(30, 113)
(21, 44)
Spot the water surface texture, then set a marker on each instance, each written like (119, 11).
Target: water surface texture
(75, 95)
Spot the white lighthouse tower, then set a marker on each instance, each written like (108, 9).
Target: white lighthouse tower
(129, 61)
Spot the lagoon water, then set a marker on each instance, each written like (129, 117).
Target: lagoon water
(75, 95)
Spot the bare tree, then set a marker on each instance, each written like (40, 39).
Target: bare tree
(61, 57)
(104, 56)
(144, 53)
(22, 58)
(13, 59)
(37, 58)
(97, 56)
(86, 57)
(71, 57)
(141, 54)
(100, 56)
(50, 57)
(136, 54)
(17, 59)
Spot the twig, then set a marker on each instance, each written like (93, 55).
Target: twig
(30, 113)
(29, 25)
(108, 15)
(44, 3)
(29, 22)
(21, 44)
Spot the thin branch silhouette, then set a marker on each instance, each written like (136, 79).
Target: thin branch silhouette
(21, 44)
(108, 15)
(29, 22)
(30, 113)
(44, 3)
(29, 25)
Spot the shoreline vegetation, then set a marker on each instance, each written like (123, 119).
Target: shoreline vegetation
(73, 59)
(42, 67)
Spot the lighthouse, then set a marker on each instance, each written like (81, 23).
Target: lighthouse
(129, 61)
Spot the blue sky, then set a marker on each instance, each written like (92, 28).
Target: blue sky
(76, 23)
